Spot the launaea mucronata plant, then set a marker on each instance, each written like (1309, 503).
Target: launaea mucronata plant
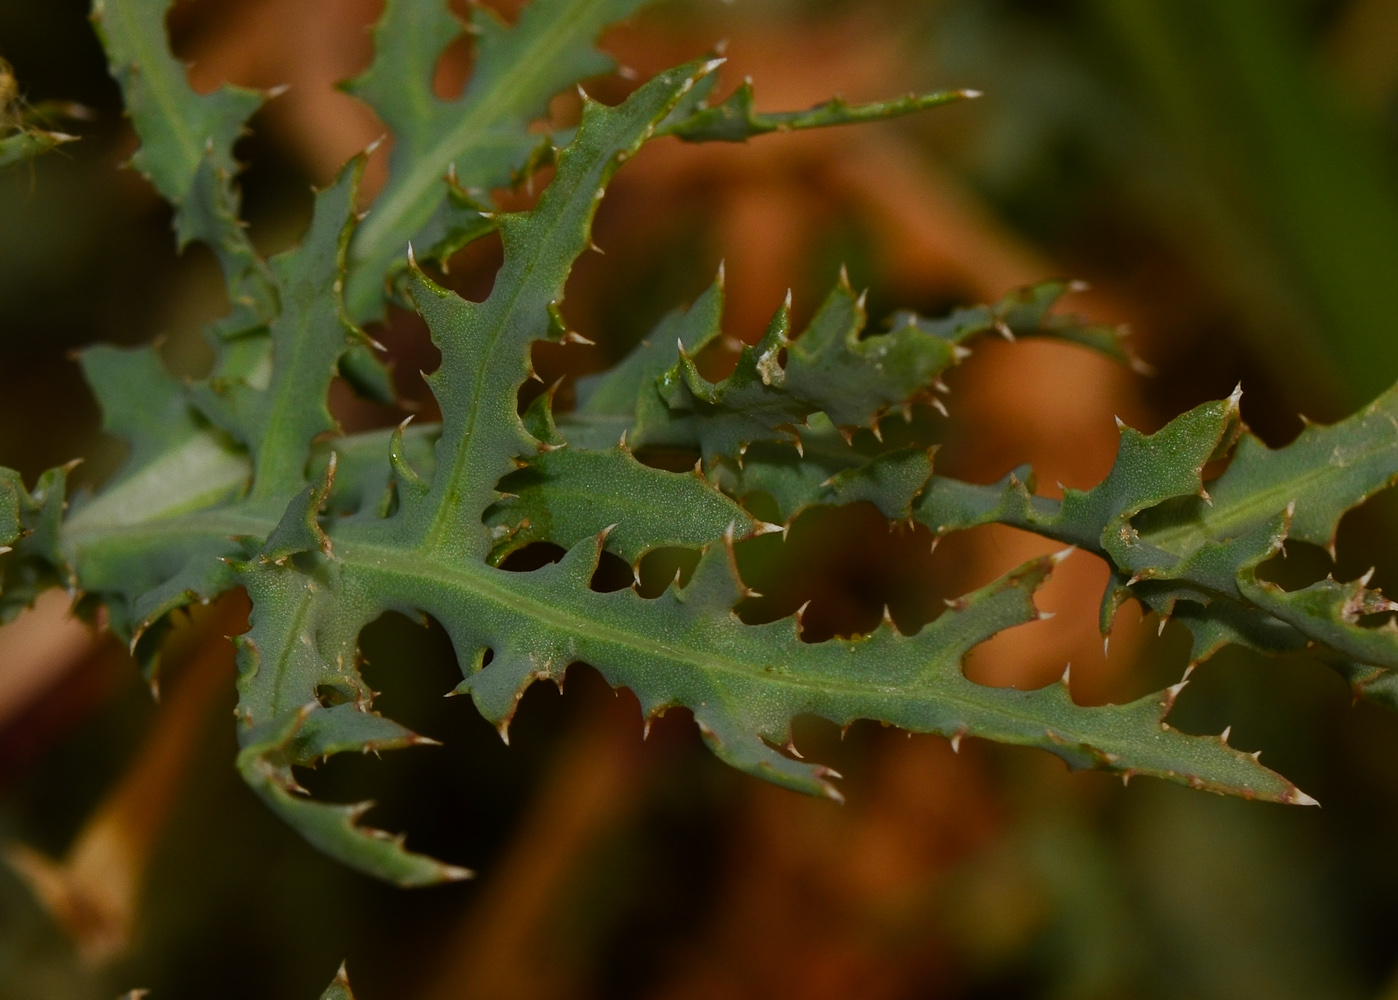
(242, 478)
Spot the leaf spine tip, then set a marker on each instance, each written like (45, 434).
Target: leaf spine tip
(1223, 736)
(940, 407)
(956, 739)
(969, 94)
(1067, 673)
(1235, 396)
(1173, 691)
(1300, 798)
(1062, 554)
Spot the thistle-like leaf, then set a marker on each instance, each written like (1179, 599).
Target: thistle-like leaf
(22, 146)
(278, 420)
(444, 150)
(832, 368)
(186, 150)
(736, 119)
(327, 533)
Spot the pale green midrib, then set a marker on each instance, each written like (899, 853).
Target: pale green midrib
(226, 471)
(281, 457)
(1252, 508)
(303, 606)
(153, 67)
(432, 537)
(483, 581)
(494, 104)
(490, 583)
(218, 523)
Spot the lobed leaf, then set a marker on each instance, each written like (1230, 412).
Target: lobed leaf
(735, 119)
(25, 145)
(186, 150)
(253, 486)
(448, 154)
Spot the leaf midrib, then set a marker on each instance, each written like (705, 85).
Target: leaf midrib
(492, 584)
(1252, 508)
(477, 123)
(152, 66)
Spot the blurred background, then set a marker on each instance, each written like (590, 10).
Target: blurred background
(1225, 175)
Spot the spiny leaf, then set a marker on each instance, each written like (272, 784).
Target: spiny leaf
(278, 421)
(479, 139)
(329, 533)
(736, 120)
(26, 145)
(308, 607)
(31, 553)
(340, 988)
(565, 495)
(619, 391)
(170, 449)
(186, 149)
(485, 346)
(11, 490)
(832, 369)
(1326, 471)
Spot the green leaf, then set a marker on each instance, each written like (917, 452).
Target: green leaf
(833, 368)
(565, 495)
(477, 140)
(26, 145)
(255, 487)
(736, 120)
(278, 420)
(485, 346)
(618, 392)
(187, 143)
(31, 554)
(340, 988)
(1326, 472)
